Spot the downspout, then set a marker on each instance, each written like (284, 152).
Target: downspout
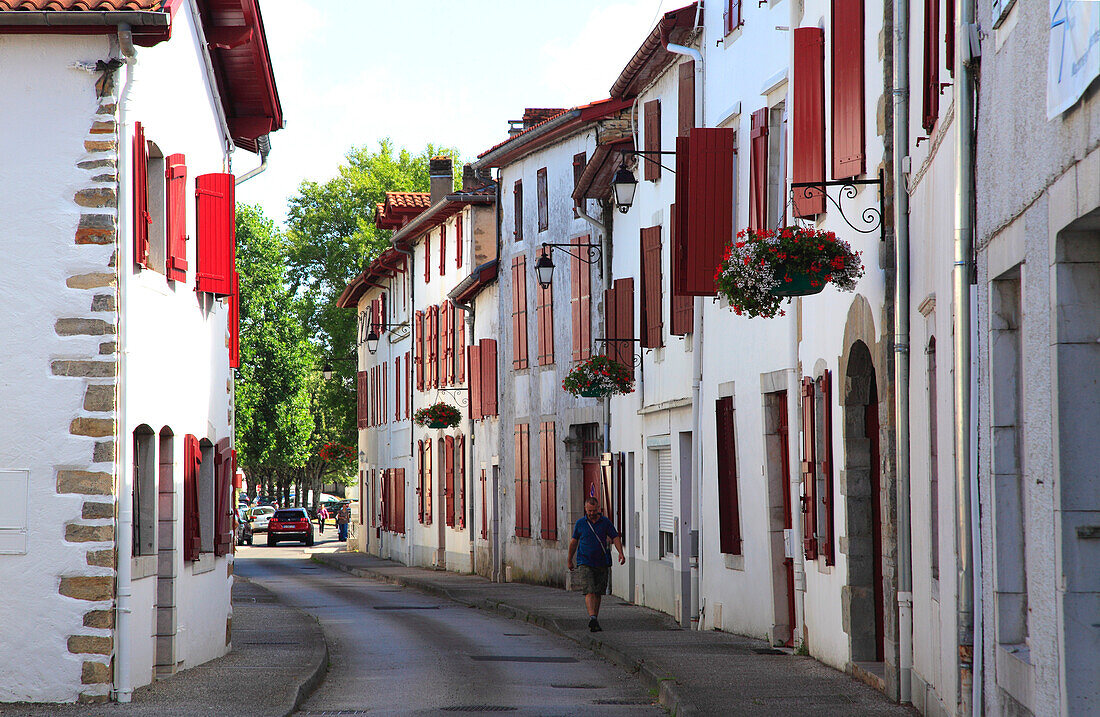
(469, 489)
(901, 348)
(695, 502)
(263, 143)
(125, 522)
(969, 688)
(412, 394)
(496, 547)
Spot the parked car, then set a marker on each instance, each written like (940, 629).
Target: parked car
(244, 528)
(259, 517)
(290, 524)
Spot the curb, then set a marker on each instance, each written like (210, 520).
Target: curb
(669, 693)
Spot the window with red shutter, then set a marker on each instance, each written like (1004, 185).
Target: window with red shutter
(429, 507)
(216, 233)
(581, 303)
(420, 481)
(142, 218)
(543, 203)
(523, 481)
(408, 384)
(651, 288)
(175, 229)
(758, 170)
(442, 249)
(729, 517)
(519, 312)
(548, 483)
(949, 37)
(827, 525)
(459, 221)
(808, 142)
(419, 347)
(544, 313)
(619, 304)
(192, 457)
(580, 159)
(223, 503)
(384, 414)
(361, 416)
(517, 211)
(460, 482)
(651, 118)
(449, 479)
(488, 377)
(847, 101)
(460, 346)
(686, 98)
(732, 17)
(235, 323)
(446, 336)
(436, 348)
(399, 491)
(681, 308)
(427, 257)
(809, 470)
(930, 107)
(397, 388)
(474, 388)
(704, 188)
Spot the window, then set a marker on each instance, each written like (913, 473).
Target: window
(543, 203)
(419, 347)
(685, 98)
(847, 88)
(175, 228)
(474, 387)
(522, 467)
(424, 487)
(427, 257)
(397, 388)
(362, 413)
(731, 16)
(681, 308)
(155, 209)
(808, 141)
(619, 318)
(460, 482)
(443, 249)
(666, 501)
(930, 105)
(651, 288)
(729, 518)
(449, 479)
(192, 456)
(778, 195)
(488, 390)
(145, 492)
(704, 210)
(651, 129)
(517, 192)
(823, 489)
(519, 312)
(207, 470)
(758, 170)
(579, 161)
(548, 482)
(216, 244)
(459, 220)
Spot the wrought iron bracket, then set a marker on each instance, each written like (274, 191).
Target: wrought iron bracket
(872, 219)
(643, 152)
(635, 359)
(460, 396)
(398, 332)
(594, 251)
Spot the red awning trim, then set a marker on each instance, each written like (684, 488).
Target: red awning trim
(472, 285)
(651, 59)
(595, 181)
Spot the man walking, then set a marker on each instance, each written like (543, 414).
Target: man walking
(342, 522)
(591, 534)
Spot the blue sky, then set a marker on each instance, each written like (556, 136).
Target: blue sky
(351, 72)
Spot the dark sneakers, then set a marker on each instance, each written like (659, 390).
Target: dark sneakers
(594, 625)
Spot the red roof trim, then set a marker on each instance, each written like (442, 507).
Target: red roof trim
(529, 141)
(652, 58)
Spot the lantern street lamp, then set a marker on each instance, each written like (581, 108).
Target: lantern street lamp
(327, 372)
(623, 185)
(544, 269)
(372, 342)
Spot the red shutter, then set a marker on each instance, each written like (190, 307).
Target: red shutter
(386, 392)
(458, 241)
(437, 347)
(460, 348)
(581, 303)
(442, 249)
(809, 468)
(223, 502)
(460, 481)
(399, 491)
(142, 218)
(446, 336)
(419, 347)
(549, 484)
(828, 531)
(731, 16)
(704, 197)
(519, 312)
(686, 98)
(408, 384)
(619, 307)
(420, 481)
(651, 113)
(235, 323)
(361, 417)
(387, 497)
(930, 108)
(523, 484)
(682, 308)
(728, 511)
(580, 159)
(397, 388)
(758, 170)
(484, 507)
(216, 233)
(427, 257)
(518, 210)
(428, 506)
(488, 377)
(449, 485)
(949, 36)
(175, 225)
(544, 209)
(847, 104)
(651, 288)
(192, 457)
(474, 387)
(544, 297)
(808, 141)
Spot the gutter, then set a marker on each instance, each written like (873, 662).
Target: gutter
(84, 18)
(423, 217)
(263, 143)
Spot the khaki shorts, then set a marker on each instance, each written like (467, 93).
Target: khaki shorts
(593, 581)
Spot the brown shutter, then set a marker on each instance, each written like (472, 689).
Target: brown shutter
(682, 308)
(808, 140)
(651, 288)
(581, 303)
(223, 502)
(731, 16)
(192, 457)
(427, 257)
(544, 297)
(758, 170)
(847, 104)
(544, 209)
(399, 491)
(484, 507)
(652, 129)
(460, 481)
(361, 418)
(429, 508)
(828, 538)
(549, 485)
(458, 241)
(408, 384)
(619, 307)
(418, 346)
(446, 336)
(142, 218)
(420, 481)
(517, 192)
(930, 107)
(474, 387)
(519, 312)
(433, 347)
(523, 478)
(728, 512)
(488, 377)
(686, 98)
(580, 159)
(449, 484)
(809, 469)
(175, 227)
(460, 350)
(442, 249)
(949, 36)
(704, 198)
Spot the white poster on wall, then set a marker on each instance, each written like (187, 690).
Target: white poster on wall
(1074, 57)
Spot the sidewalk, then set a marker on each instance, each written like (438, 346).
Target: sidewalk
(705, 673)
(279, 656)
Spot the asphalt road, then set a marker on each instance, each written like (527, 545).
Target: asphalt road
(394, 651)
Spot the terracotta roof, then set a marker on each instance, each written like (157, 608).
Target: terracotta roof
(537, 115)
(385, 265)
(652, 58)
(79, 5)
(399, 208)
(532, 138)
(408, 200)
(595, 181)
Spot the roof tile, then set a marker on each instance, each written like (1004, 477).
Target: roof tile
(81, 5)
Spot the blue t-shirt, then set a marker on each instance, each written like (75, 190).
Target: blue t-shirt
(592, 538)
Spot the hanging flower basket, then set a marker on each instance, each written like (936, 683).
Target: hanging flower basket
(763, 267)
(598, 377)
(438, 415)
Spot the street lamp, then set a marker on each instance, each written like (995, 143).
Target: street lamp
(589, 253)
(372, 342)
(544, 270)
(326, 371)
(624, 184)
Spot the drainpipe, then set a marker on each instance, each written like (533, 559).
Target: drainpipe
(901, 347)
(468, 519)
(695, 501)
(969, 688)
(125, 523)
(264, 145)
(412, 434)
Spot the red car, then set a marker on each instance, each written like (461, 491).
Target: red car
(290, 524)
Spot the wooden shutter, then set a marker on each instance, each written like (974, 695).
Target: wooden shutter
(930, 108)
(460, 348)
(544, 310)
(686, 98)
(460, 482)
(427, 257)
(580, 159)
(517, 192)
(446, 336)
(387, 501)
(488, 377)
(408, 384)
(142, 218)
(429, 507)
(484, 506)
(758, 170)
(192, 458)
(949, 36)
(808, 140)
(651, 117)
(458, 240)
(544, 208)
(519, 312)
(397, 388)
(223, 502)
(216, 233)
(704, 200)
(619, 308)
(847, 100)
(826, 545)
(362, 419)
(523, 481)
(418, 346)
(175, 225)
(474, 386)
(385, 412)
(729, 518)
(809, 470)
(420, 481)
(433, 347)
(548, 484)
(682, 308)
(449, 484)
(731, 16)
(235, 323)
(651, 287)
(399, 508)
(581, 303)
(442, 249)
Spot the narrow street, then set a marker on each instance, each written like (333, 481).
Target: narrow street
(394, 651)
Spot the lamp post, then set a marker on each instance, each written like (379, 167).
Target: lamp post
(623, 185)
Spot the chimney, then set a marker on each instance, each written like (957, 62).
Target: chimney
(441, 174)
(469, 178)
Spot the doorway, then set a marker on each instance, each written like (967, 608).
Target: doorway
(777, 446)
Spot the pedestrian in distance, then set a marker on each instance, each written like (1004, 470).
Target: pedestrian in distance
(591, 535)
(342, 522)
(322, 516)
